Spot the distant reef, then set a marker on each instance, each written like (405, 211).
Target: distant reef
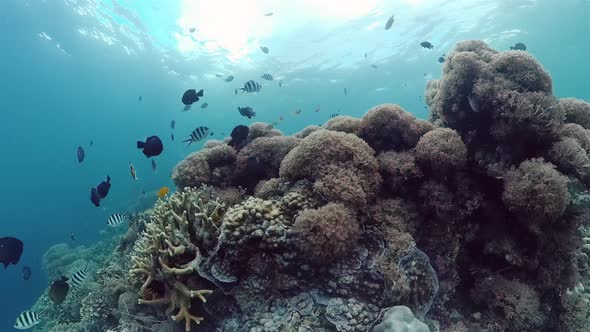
(476, 220)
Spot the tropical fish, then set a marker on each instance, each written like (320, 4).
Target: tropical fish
(189, 97)
(26, 273)
(264, 49)
(333, 115)
(374, 66)
(140, 99)
(94, 197)
(229, 78)
(365, 55)
(247, 112)
(268, 14)
(280, 83)
(72, 236)
(317, 109)
(172, 136)
(298, 111)
(133, 171)
(389, 22)
(172, 124)
(281, 118)
(26, 320)
(91, 143)
(427, 45)
(236, 92)
(441, 58)
(191, 30)
(151, 147)
(197, 135)
(163, 192)
(101, 191)
(473, 102)
(251, 86)
(345, 92)
(238, 135)
(518, 47)
(117, 219)
(79, 277)
(154, 167)
(80, 154)
(205, 105)
(267, 77)
(11, 249)
(218, 75)
(59, 290)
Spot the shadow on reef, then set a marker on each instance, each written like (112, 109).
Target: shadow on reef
(474, 221)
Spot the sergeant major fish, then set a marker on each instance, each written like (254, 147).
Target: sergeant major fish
(197, 135)
(27, 319)
(117, 219)
(251, 86)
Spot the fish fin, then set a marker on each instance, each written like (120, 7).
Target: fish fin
(140, 144)
(200, 93)
(189, 142)
(108, 179)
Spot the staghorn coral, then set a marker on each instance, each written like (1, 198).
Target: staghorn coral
(165, 257)
(327, 233)
(390, 127)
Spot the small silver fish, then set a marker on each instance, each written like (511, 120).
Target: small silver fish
(473, 102)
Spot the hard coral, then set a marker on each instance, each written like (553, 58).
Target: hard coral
(261, 129)
(441, 149)
(327, 233)
(399, 171)
(323, 153)
(345, 124)
(537, 190)
(165, 258)
(390, 127)
(268, 151)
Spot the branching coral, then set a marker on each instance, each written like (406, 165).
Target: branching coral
(165, 258)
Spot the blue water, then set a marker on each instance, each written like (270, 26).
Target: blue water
(72, 71)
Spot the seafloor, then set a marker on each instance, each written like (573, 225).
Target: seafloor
(475, 220)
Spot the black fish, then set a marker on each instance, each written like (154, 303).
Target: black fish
(197, 135)
(80, 154)
(140, 99)
(104, 187)
(211, 134)
(59, 290)
(441, 59)
(172, 136)
(238, 135)
(205, 105)
(427, 45)
(191, 96)
(95, 197)
(518, 47)
(229, 78)
(172, 124)
(154, 167)
(91, 143)
(151, 147)
(26, 273)
(264, 49)
(247, 112)
(10, 250)
(72, 236)
(389, 22)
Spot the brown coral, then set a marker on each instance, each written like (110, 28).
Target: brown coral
(399, 171)
(390, 127)
(338, 161)
(576, 111)
(327, 233)
(268, 151)
(343, 123)
(208, 166)
(537, 190)
(441, 149)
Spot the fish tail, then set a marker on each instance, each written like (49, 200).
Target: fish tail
(140, 144)
(189, 142)
(200, 93)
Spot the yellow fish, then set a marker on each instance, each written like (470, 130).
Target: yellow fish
(163, 192)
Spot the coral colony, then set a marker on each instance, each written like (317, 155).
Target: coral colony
(471, 221)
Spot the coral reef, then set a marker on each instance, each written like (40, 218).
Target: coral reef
(474, 221)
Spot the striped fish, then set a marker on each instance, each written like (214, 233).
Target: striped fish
(116, 219)
(26, 320)
(79, 277)
(197, 135)
(251, 86)
(333, 115)
(267, 77)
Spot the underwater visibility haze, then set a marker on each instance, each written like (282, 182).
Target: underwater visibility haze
(305, 165)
